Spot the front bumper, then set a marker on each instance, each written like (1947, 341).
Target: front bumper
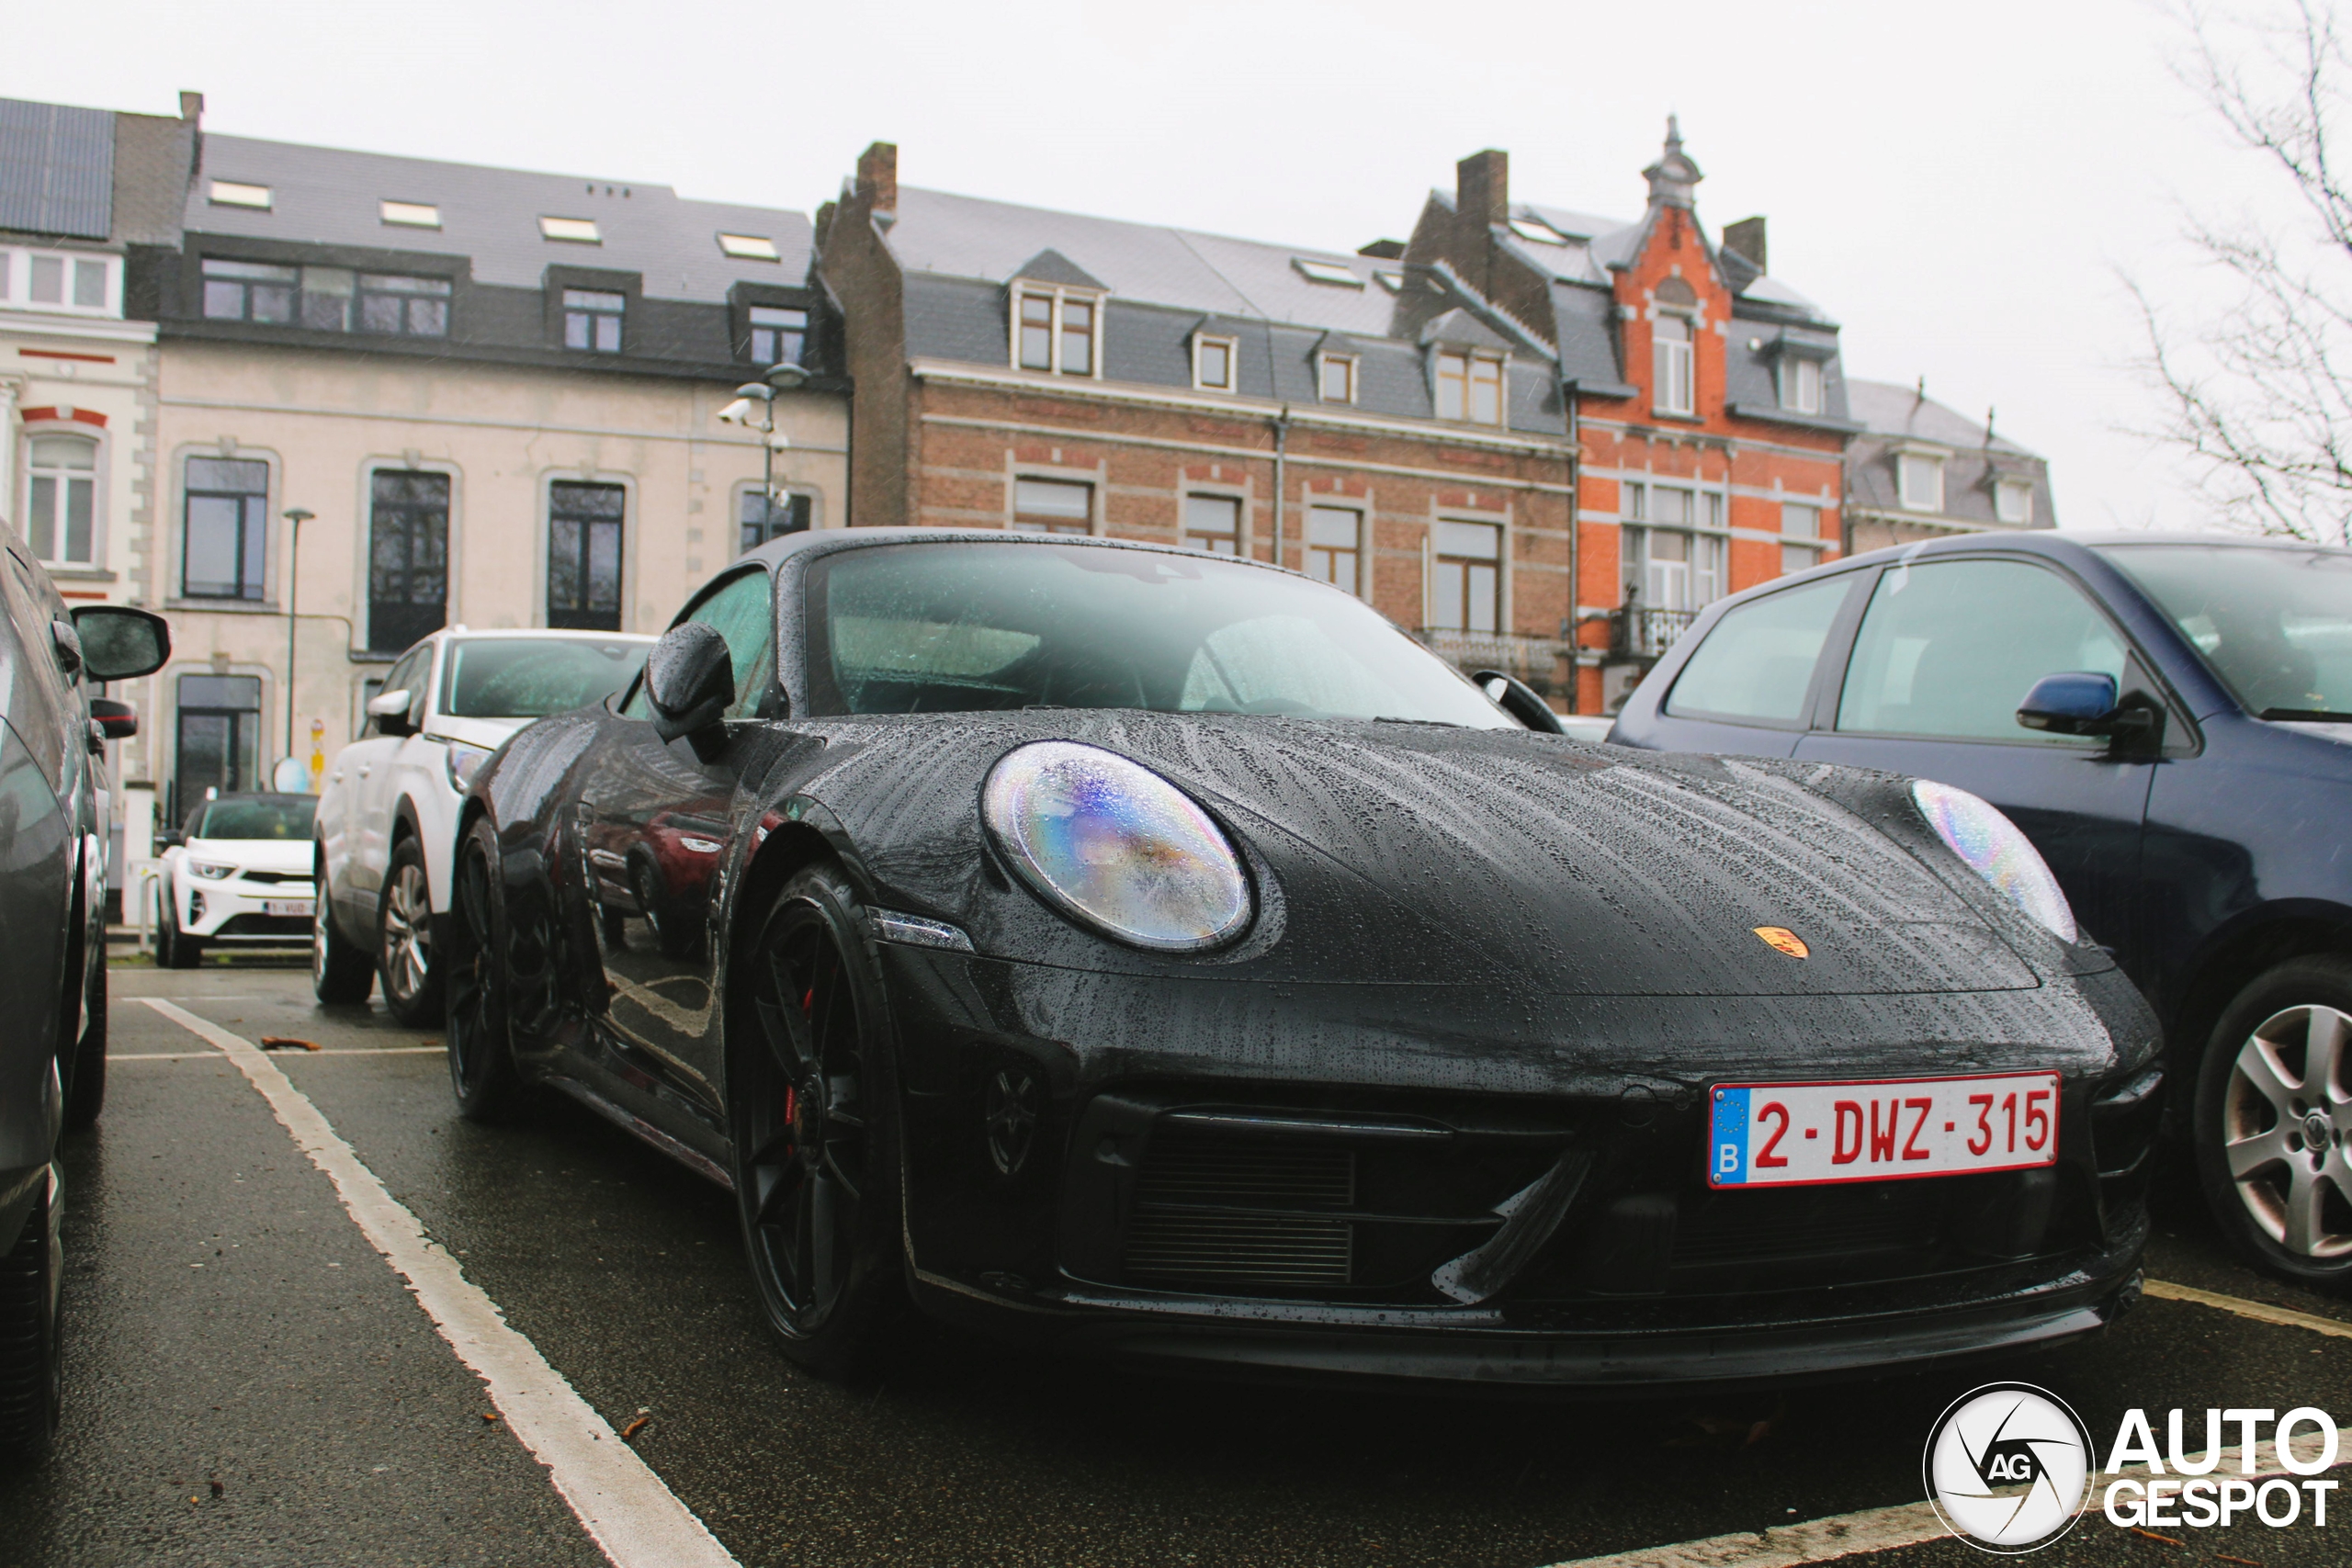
(236, 910)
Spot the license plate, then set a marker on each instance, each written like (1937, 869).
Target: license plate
(287, 906)
(1802, 1134)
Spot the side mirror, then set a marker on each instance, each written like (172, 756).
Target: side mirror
(170, 839)
(2084, 703)
(389, 710)
(120, 643)
(689, 681)
(114, 718)
(1517, 698)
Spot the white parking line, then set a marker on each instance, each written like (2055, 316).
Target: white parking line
(624, 1507)
(2258, 1311)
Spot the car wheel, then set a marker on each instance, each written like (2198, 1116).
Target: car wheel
(481, 1051)
(86, 1096)
(2274, 1120)
(404, 940)
(340, 972)
(174, 949)
(31, 1370)
(813, 1118)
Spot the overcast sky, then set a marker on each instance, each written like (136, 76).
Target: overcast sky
(1956, 184)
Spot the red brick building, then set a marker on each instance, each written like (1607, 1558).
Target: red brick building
(1412, 422)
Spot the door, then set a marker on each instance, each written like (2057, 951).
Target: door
(368, 773)
(1945, 652)
(655, 824)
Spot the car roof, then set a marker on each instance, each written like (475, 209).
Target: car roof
(2061, 543)
(825, 541)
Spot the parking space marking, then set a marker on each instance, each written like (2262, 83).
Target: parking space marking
(1887, 1530)
(329, 1051)
(2258, 1311)
(633, 1518)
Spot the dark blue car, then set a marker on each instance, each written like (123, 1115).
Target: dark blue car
(2169, 719)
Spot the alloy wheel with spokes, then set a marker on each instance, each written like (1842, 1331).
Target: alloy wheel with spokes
(2287, 1120)
(404, 942)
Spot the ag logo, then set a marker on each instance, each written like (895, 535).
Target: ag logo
(2007, 1467)
(1779, 939)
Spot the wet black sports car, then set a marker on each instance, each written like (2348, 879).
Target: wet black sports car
(1149, 953)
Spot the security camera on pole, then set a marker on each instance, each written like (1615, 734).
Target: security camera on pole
(754, 409)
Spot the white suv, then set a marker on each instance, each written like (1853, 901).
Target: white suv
(389, 813)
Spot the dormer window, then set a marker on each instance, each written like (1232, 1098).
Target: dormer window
(1054, 330)
(1800, 384)
(2013, 502)
(592, 320)
(1335, 378)
(1919, 481)
(1672, 365)
(47, 280)
(1213, 363)
(1469, 387)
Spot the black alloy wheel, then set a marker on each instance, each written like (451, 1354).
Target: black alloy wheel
(481, 1051)
(814, 1121)
(341, 971)
(32, 1382)
(2274, 1120)
(405, 961)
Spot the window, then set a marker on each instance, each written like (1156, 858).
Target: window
(742, 611)
(1052, 506)
(576, 231)
(408, 557)
(1056, 331)
(1951, 648)
(585, 555)
(327, 299)
(1535, 228)
(1670, 350)
(1801, 385)
(1212, 364)
(61, 498)
(761, 519)
(249, 291)
(1333, 273)
(60, 282)
(1213, 523)
(409, 675)
(592, 320)
(1470, 387)
(225, 539)
(748, 247)
(1335, 546)
(234, 193)
(1336, 378)
(1667, 568)
(2013, 502)
(779, 335)
(1466, 591)
(1919, 479)
(1757, 665)
(1392, 281)
(220, 736)
(1800, 522)
(400, 306)
(410, 214)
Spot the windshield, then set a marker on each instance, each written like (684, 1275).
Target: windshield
(2275, 623)
(286, 817)
(972, 626)
(514, 677)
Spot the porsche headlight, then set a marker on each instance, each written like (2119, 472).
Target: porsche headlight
(1976, 831)
(212, 870)
(1114, 845)
(461, 760)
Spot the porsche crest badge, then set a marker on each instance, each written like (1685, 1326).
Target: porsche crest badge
(1782, 940)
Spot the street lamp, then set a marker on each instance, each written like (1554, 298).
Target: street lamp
(759, 396)
(296, 517)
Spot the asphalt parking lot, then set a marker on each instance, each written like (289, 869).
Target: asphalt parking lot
(250, 1380)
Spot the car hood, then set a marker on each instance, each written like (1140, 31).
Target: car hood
(1428, 854)
(254, 854)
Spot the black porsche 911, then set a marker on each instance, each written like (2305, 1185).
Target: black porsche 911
(1141, 951)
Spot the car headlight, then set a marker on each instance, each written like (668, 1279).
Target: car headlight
(1976, 831)
(1114, 845)
(212, 870)
(461, 760)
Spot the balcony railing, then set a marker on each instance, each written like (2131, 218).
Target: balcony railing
(1636, 632)
(1534, 660)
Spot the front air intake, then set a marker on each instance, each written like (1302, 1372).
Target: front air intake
(1215, 1213)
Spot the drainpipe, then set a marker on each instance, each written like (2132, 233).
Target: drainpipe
(1282, 448)
(1575, 541)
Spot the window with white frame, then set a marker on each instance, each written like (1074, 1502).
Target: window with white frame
(1335, 546)
(1213, 363)
(1213, 523)
(1671, 366)
(1919, 481)
(1800, 384)
(81, 285)
(1053, 506)
(2013, 502)
(1469, 387)
(1466, 576)
(61, 499)
(1666, 563)
(1056, 330)
(1335, 378)
(1799, 537)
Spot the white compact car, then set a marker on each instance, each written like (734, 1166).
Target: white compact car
(388, 814)
(237, 873)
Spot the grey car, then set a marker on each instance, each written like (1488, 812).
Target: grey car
(52, 944)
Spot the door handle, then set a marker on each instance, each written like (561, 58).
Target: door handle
(364, 772)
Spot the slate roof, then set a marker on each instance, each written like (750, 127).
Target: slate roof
(325, 196)
(56, 170)
(1888, 409)
(1975, 465)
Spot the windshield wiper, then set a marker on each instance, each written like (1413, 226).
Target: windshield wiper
(2309, 716)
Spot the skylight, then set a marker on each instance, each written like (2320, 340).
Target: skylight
(231, 193)
(1535, 228)
(410, 214)
(1326, 272)
(579, 231)
(748, 247)
(1391, 281)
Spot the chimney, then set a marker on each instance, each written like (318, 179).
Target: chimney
(1481, 186)
(877, 176)
(192, 107)
(1745, 239)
